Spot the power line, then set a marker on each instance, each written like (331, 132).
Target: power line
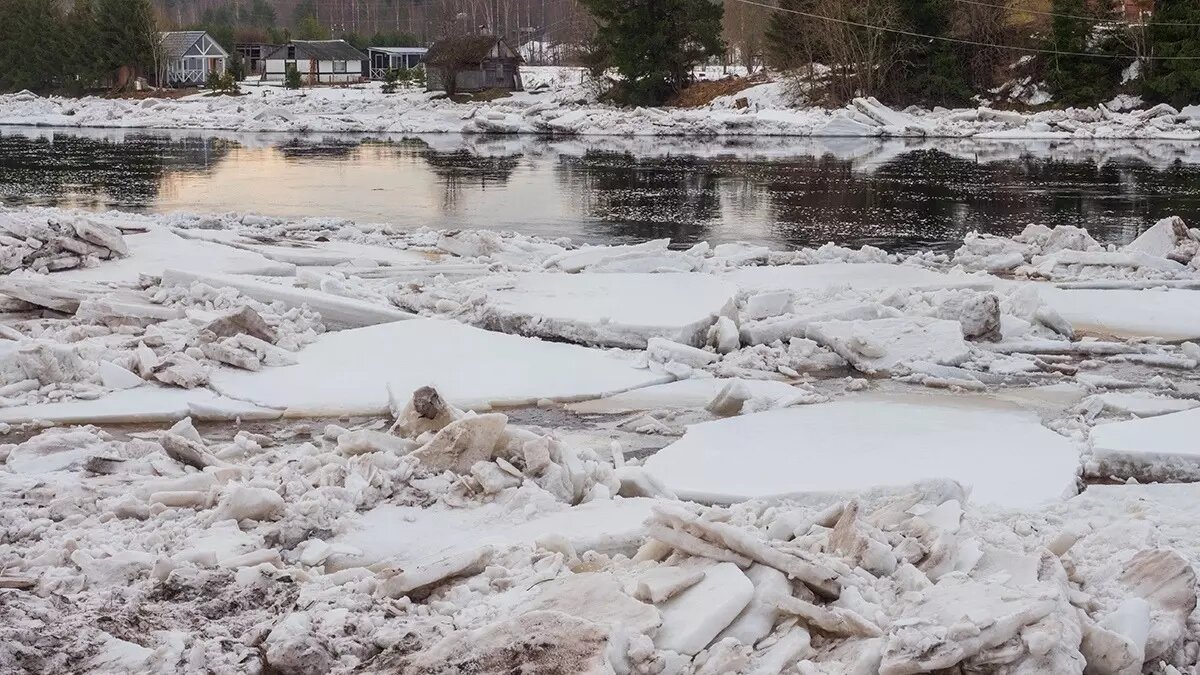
(1031, 50)
(1068, 16)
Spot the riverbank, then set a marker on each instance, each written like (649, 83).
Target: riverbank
(220, 444)
(563, 102)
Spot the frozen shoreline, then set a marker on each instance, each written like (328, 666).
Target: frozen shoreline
(562, 104)
(865, 417)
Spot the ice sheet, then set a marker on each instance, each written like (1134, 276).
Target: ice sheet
(861, 276)
(693, 393)
(1159, 447)
(1168, 314)
(351, 372)
(145, 404)
(617, 310)
(157, 249)
(994, 447)
(404, 534)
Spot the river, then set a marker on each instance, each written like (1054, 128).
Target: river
(897, 194)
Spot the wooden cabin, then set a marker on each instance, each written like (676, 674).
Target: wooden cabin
(189, 57)
(384, 59)
(254, 56)
(319, 62)
(479, 61)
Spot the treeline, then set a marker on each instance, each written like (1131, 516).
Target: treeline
(1084, 51)
(51, 45)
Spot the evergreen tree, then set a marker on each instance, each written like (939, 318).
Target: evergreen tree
(788, 40)
(309, 28)
(30, 35)
(128, 35)
(1175, 81)
(933, 72)
(653, 44)
(82, 51)
(1082, 80)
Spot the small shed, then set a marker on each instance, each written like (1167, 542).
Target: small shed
(478, 62)
(319, 62)
(189, 56)
(384, 59)
(254, 55)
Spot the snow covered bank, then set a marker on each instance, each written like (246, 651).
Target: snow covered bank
(566, 106)
(905, 449)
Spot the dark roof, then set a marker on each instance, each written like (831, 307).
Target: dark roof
(321, 50)
(468, 48)
(176, 44)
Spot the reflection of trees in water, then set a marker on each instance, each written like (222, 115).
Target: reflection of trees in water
(634, 198)
(126, 174)
(460, 170)
(925, 196)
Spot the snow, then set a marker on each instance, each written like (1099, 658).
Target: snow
(473, 368)
(997, 449)
(613, 310)
(1168, 314)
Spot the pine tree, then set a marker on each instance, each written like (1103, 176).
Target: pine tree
(1175, 81)
(934, 73)
(1082, 80)
(128, 35)
(788, 42)
(653, 45)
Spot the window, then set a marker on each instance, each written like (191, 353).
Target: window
(339, 66)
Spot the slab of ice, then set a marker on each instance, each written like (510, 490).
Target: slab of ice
(998, 449)
(157, 249)
(336, 311)
(856, 275)
(692, 393)
(352, 372)
(404, 534)
(615, 310)
(145, 404)
(1145, 405)
(1169, 314)
(1162, 447)
(693, 618)
(883, 345)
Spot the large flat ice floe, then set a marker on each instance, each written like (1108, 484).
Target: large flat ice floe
(615, 310)
(158, 249)
(997, 449)
(141, 405)
(860, 276)
(1166, 314)
(1164, 447)
(352, 372)
(403, 535)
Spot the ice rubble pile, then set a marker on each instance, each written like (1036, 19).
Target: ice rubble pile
(56, 244)
(568, 106)
(122, 339)
(221, 554)
(1168, 250)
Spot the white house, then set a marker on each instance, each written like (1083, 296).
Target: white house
(384, 59)
(319, 62)
(189, 56)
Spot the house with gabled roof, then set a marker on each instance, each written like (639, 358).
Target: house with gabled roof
(188, 58)
(318, 61)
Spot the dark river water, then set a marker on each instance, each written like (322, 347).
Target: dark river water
(785, 192)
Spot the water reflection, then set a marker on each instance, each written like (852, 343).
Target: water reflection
(787, 192)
